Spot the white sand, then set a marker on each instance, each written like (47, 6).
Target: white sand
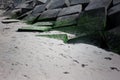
(26, 57)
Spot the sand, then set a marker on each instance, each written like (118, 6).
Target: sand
(26, 57)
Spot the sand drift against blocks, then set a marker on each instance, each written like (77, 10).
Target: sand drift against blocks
(95, 22)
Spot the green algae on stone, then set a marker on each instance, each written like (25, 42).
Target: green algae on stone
(63, 37)
(43, 23)
(49, 14)
(66, 20)
(64, 23)
(94, 20)
(30, 20)
(45, 19)
(34, 28)
(14, 16)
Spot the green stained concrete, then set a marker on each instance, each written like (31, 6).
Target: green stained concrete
(34, 28)
(30, 20)
(63, 23)
(63, 37)
(89, 23)
(44, 23)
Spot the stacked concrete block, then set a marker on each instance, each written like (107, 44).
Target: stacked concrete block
(114, 16)
(115, 2)
(53, 4)
(84, 3)
(49, 14)
(95, 22)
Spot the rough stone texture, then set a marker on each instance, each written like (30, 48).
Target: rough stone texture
(25, 5)
(70, 10)
(4, 3)
(18, 12)
(31, 18)
(53, 4)
(66, 20)
(10, 21)
(95, 4)
(74, 2)
(44, 1)
(114, 9)
(92, 39)
(24, 15)
(91, 21)
(22, 7)
(63, 37)
(113, 41)
(17, 2)
(115, 31)
(116, 2)
(67, 2)
(114, 16)
(35, 13)
(38, 9)
(49, 14)
(35, 28)
(43, 24)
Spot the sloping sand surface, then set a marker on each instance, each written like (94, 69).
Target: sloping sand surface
(26, 57)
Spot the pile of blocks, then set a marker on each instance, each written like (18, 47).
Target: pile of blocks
(95, 22)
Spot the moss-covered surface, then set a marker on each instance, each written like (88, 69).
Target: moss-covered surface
(63, 23)
(14, 16)
(44, 23)
(46, 19)
(30, 20)
(63, 37)
(34, 28)
(91, 23)
(89, 28)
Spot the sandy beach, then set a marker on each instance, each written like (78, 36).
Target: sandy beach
(23, 56)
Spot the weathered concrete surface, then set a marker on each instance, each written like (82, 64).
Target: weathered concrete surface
(70, 10)
(49, 14)
(9, 21)
(114, 10)
(92, 21)
(74, 2)
(116, 2)
(35, 28)
(66, 20)
(25, 4)
(84, 3)
(44, 23)
(53, 4)
(114, 16)
(115, 30)
(38, 9)
(31, 16)
(95, 4)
